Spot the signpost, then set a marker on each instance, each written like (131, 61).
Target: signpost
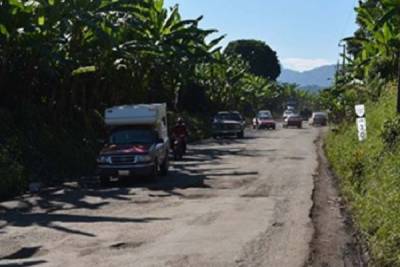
(361, 123)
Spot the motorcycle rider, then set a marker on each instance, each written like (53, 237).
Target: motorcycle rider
(180, 131)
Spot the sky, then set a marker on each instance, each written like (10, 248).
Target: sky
(304, 33)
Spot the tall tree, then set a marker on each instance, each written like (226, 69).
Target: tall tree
(262, 59)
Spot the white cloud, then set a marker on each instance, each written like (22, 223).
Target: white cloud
(304, 64)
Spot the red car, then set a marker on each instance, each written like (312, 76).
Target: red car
(264, 122)
(294, 120)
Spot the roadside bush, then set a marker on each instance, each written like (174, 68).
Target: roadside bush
(12, 179)
(391, 132)
(35, 149)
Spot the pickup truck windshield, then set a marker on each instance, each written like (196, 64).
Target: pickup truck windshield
(320, 116)
(132, 136)
(265, 114)
(265, 117)
(229, 117)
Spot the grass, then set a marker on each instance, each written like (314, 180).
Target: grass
(370, 177)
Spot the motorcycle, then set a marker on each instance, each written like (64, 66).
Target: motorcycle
(179, 147)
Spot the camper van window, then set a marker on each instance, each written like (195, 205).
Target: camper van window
(133, 136)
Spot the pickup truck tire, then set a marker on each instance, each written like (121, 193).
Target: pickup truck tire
(164, 167)
(154, 173)
(241, 134)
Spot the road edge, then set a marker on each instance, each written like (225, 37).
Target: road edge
(341, 234)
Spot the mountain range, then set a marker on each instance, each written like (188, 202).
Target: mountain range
(313, 80)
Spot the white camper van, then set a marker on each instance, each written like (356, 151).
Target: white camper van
(137, 144)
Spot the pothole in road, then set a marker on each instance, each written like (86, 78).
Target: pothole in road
(197, 196)
(262, 191)
(126, 245)
(234, 183)
(295, 158)
(278, 224)
(144, 201)
(205, 219)
(255, 195)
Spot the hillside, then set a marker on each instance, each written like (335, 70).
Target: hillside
(314, 79)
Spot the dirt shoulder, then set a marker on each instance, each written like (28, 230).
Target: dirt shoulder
(334, 243)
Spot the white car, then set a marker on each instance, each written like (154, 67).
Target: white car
(287, 113)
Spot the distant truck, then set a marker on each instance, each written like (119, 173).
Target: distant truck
(228, 123)
(137, 143)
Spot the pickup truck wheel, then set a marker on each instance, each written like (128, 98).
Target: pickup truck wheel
(164, 167)
(241, 134)
(154, 172)
(104, 180)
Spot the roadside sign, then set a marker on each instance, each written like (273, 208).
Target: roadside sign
(361, 122)
(362, 129)
(360, 110)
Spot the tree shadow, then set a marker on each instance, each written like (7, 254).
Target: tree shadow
(23, 264)
(50, 220)
(23, 253)
(55, 204)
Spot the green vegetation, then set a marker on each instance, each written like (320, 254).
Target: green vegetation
(369, 171)
(370, 175)
(262, 59)
(63, 62)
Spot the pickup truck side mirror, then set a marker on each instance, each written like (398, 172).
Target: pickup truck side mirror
(159, 141)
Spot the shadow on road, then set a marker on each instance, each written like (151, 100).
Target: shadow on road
(23, 264)
(23, 253)
(49, 220)
(52, 208)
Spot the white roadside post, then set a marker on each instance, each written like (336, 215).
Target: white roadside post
(361, 122)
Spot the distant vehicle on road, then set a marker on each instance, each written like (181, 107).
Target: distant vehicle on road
(287, 112)
(264, 120)
(293, 120)
(319, 119)
(264, 113)
(137, 144)
(228, 123)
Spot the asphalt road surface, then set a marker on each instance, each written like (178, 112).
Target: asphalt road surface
(229, 203)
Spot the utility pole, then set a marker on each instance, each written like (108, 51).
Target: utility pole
(341, 44)
(337, 72)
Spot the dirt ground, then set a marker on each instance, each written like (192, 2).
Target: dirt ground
(229, 203)
(334, 243)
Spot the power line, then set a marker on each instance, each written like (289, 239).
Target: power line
(347, 21)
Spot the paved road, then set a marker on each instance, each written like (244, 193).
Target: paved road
(230, 203)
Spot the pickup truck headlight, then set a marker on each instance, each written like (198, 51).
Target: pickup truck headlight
(143, 158)
(103, 159)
